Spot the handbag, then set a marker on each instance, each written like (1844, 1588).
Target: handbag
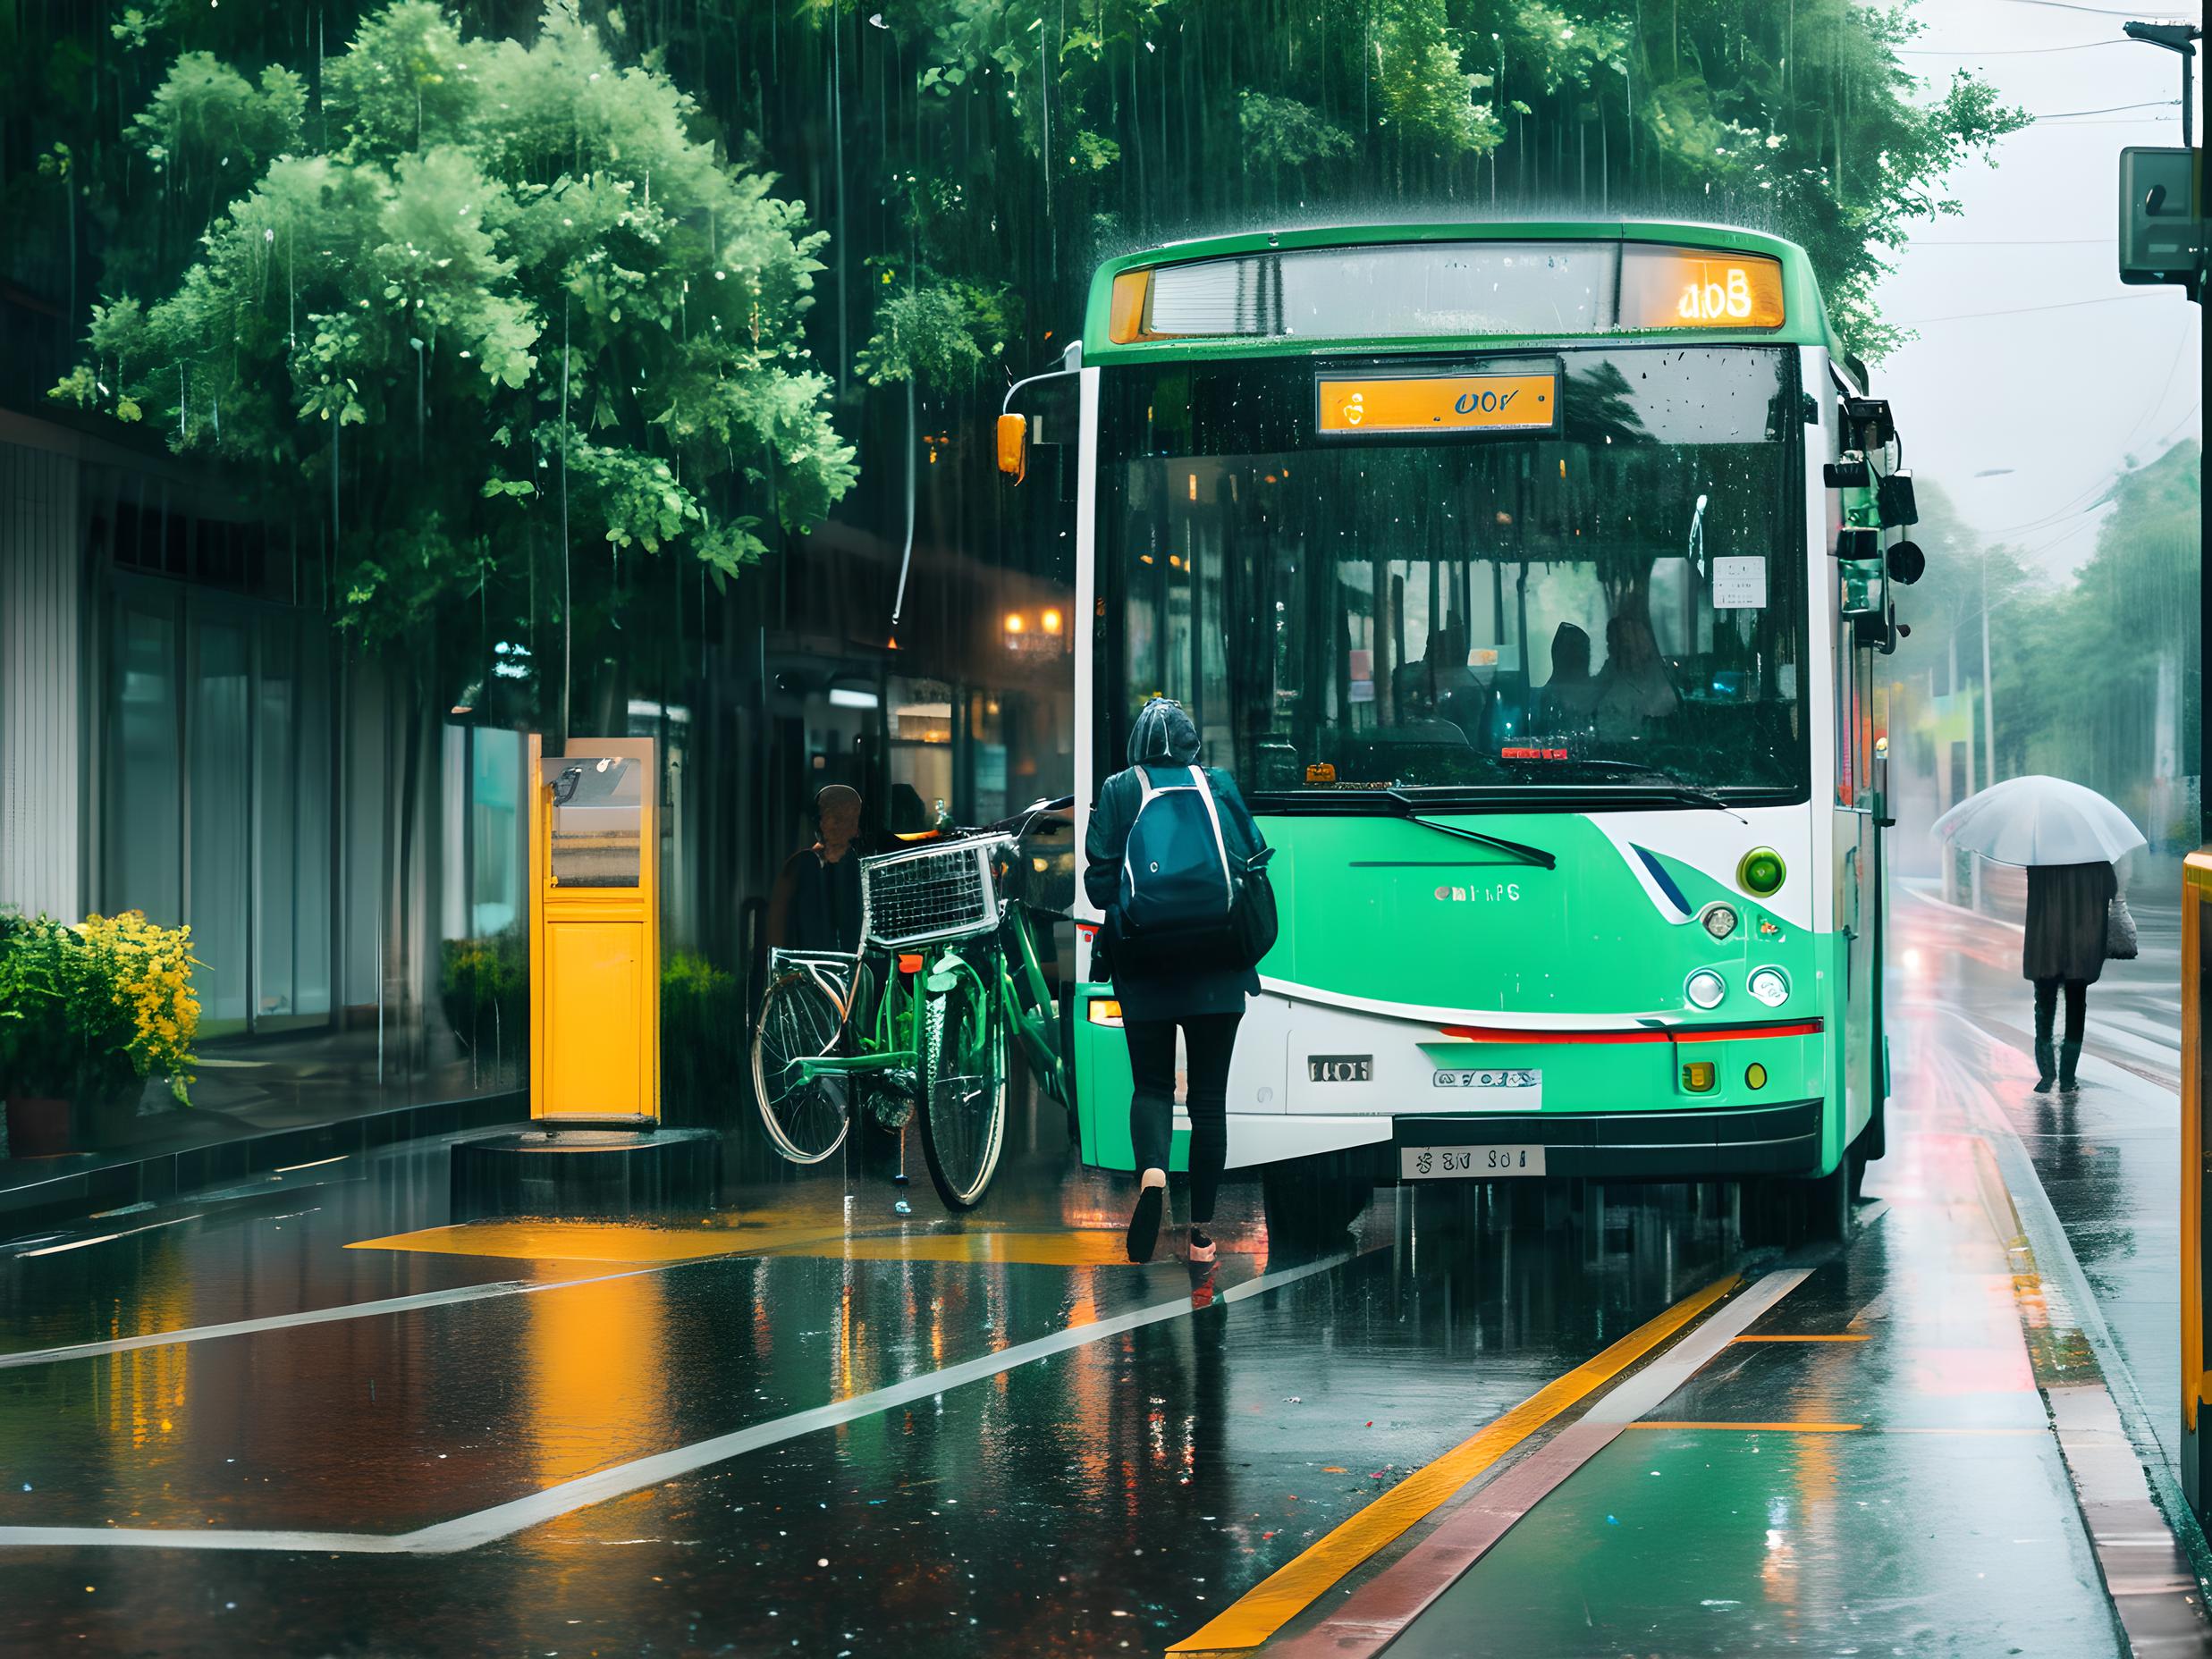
(2120, 941)
(1254, 924)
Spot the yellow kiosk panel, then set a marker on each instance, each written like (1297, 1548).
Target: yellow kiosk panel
(593, 1063)
(595, 932)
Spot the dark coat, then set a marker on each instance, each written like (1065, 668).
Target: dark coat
(1167, 743)
(2067, 905)
(816, 904)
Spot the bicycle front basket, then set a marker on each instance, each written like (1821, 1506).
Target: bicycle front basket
(929, 893)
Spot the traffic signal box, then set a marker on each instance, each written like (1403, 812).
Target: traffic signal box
(594, 934)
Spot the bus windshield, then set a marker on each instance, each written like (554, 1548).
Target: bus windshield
(1615, 600)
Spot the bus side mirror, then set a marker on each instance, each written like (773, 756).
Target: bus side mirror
(1013, 446)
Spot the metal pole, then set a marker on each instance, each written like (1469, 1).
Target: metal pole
(1989, 686)
(2196, 994)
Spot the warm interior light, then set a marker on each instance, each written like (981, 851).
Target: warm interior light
(1052, 621)
(1014, 623)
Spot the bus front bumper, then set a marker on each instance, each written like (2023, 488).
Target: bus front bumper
(1675, 1145)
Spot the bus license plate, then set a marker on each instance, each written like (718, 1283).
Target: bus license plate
(1469, 1163)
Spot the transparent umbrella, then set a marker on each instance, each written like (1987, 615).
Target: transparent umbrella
(2040, 821)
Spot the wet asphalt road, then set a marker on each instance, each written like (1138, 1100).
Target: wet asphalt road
(1895, 1490)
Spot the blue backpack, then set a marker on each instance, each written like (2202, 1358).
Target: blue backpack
(1178, 882)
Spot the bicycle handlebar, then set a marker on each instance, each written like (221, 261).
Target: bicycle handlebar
(1020, 822)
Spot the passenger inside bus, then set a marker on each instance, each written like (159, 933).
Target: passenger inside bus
(1632, 690)
(1570, 696)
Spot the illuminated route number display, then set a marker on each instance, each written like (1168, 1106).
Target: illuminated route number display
(1679, 288)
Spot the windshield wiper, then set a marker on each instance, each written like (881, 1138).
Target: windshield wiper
(1680, 788)
(1397, 801)
(1409, 809)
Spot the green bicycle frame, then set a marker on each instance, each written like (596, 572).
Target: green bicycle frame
(1014, 979)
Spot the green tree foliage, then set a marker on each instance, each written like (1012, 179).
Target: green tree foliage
(501, 288)
(1002, 138)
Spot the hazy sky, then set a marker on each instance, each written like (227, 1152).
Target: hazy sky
(2059, 394)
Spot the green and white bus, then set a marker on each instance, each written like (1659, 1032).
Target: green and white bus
(1528, 578)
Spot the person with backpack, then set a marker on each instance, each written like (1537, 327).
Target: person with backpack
(1169, 852)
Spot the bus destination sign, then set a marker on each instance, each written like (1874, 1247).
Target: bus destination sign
(1440, 403)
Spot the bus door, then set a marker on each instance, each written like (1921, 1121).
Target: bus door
(1862, 705)
(1040, 458)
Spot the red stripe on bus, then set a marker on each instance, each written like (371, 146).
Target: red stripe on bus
(1643, 1033)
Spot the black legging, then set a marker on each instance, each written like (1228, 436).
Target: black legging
(1209, 1038)
(2047, 1008)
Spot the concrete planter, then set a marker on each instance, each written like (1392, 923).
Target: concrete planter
(41, 1126)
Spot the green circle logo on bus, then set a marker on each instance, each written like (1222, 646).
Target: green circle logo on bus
(1760, 873)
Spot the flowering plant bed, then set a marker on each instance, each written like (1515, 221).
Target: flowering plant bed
(88, 1012)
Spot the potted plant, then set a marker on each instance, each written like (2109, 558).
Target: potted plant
(87, 1015)
(702, 1038)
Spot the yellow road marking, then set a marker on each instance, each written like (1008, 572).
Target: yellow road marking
(1298, 1584)
(1793, 1428)
(625, 1242)
(596, 1241)
(1848, 1336)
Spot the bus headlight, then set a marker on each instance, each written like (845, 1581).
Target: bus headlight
(1769, 986)
(1719, 920)
(1705, 989)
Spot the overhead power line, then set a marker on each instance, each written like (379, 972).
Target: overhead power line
(2059, 305)
(2013, 242)
(2070, 5)
(2109, 109)
(2078, 45)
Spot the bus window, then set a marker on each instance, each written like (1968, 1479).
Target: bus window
(1622, 595)
(1856, 722)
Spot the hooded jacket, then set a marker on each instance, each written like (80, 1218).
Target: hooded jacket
(1165, 742)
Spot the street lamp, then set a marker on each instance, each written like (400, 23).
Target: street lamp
(2174, 36)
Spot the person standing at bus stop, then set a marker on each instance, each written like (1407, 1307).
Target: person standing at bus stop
(1205, 1001)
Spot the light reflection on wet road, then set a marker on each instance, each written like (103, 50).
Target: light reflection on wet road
(1113, 1497)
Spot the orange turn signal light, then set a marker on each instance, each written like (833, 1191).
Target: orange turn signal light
(1124, 311)
(1013, 446)
(1697, 1076)
(1104, 1011)
(910, 962)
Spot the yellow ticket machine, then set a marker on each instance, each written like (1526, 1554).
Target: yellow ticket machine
(595, 933)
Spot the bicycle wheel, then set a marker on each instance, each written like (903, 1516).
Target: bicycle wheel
(806, 1117)
(963, 1085)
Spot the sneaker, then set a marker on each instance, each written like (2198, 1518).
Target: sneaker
(1202, 1247)
(1144, 1223)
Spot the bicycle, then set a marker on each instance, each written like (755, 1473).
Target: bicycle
(959, 970)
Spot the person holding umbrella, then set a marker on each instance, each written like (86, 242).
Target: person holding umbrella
(2068, 907)
(2070, 838)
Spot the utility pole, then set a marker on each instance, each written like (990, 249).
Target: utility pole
(1989, 686)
